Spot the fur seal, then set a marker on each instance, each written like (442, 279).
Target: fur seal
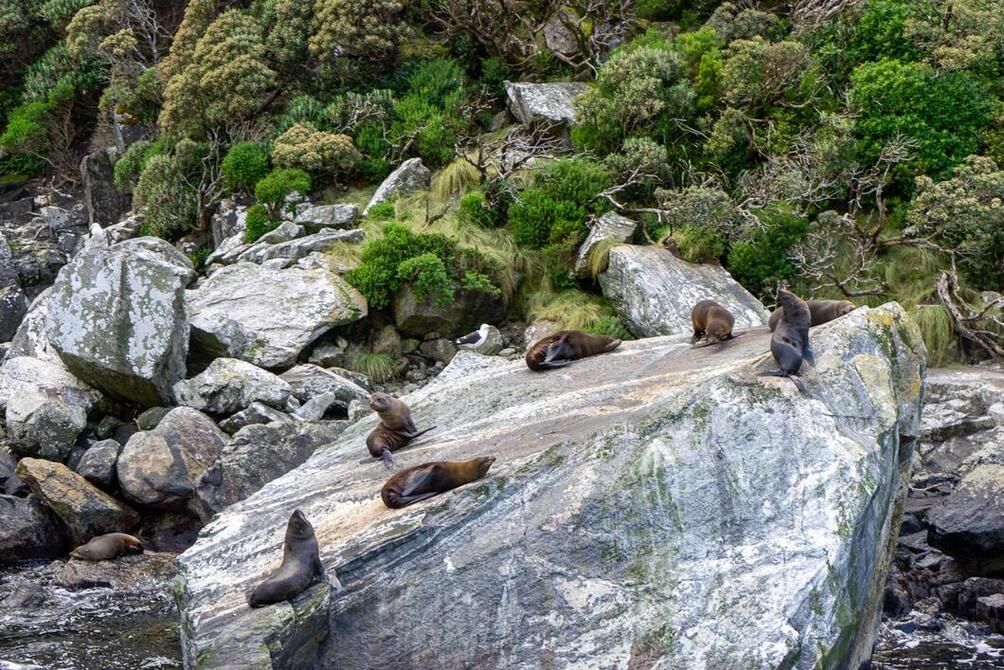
(108, 546)
(429, 479)
(395, 430)
(789, 343)
(301, 565)
(712, 322)
(565, 346)
(821, 311)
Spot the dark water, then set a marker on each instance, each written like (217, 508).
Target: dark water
(91, 629)
(957, 644)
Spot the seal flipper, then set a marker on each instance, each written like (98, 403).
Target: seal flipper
(808, 356)
(388, 459)
(413, 435)
(404, 501)
(799, 384)
(548, 365)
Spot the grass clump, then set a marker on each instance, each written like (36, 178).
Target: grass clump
(379, 367)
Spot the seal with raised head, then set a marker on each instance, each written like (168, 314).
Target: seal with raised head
(395, 430)
(301, 565)
(424, 481)
(565, 346)
(789, 342)
(108, 546)
(712, 322)
(820, 311)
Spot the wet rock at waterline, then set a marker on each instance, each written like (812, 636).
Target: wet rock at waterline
(158, 468)
(85, 510)
(659, 485)
(29, 530)
(654, 292)
(267, 317)
(118, 318)
(256, 455)
(229, 385)
(125, 572)
(969, 523)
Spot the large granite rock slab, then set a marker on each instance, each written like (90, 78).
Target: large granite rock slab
(29, 530)
(657, 505)
(229, 385)
(158, 468)
(410, 176)
(118, 318)
(654, 292)
(267, 317)
(543, 103)
(85, 510)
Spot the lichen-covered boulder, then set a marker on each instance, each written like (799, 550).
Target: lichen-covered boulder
(297, 249)
(267, 317)
(319, 217)
(656, 506)
(229, 385)
(543, 103)
(158, 468)
(654, 292)
(29, 530)
(118, 318)
(85, 510)
(610, 227)
(31, 340)
(410, 176)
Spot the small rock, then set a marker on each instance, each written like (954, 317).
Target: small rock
(548, 103)
(45, 424)
(307, 381)
(29, 530)
(969, 523)
(284, 233)
(85, 510)
(98, 463)
(149, 419)
(358, 409)
(491, 341)
(387, 341)
(538, 330)
(256, 413)
(610, 226)
(440, 350)
(318, 217)
(409, 177)
(229, 385)
(314, 409)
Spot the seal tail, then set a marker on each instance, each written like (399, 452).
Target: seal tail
(388, 459)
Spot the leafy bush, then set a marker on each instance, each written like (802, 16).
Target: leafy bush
(482, 283)
(535, 213)
(554, 209)
(702, 206)
(699, 244)
(245, 164)
(757, 75)
(912, 100)
(279, 183)
(763, 259)
(428, 277)
(427, 126)
(381, 211)
(306, 147)
(258, 222)
(611, 326)
(130, 165)
(166, 199)
(474, 209)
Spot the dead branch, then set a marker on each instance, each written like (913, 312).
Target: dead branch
(968, 323)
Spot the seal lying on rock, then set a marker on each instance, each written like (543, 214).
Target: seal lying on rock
(820, 311)
(108, 546)
(789, 343)
(395, 430)
(424, 481)
(301, 565)
(565, 346)
(712, 322)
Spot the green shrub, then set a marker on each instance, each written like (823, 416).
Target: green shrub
(165, 197)
(130, 166)
(611, 326)
(763, 259)
(382, 211)
(482, 283)
(279, 183)
(303, 146)
(439, 82)
(371, 141)
(245, 164)
(428, 127)
(428, 277)
(258, 222)
(699, 244)
(474, 209)
(532, 217)
(554, 209)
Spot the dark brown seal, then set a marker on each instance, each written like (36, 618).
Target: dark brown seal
(395, 430)
(712, 322)
(429, 479)
(789, 342)
(108, 546)
(821, 311)
(301, 565)
(565, 346)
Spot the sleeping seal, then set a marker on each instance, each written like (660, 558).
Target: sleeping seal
(429, 479)
(565, 346)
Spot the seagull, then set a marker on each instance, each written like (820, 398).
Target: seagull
(476, 338)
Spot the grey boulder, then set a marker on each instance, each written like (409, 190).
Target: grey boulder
(657, 503)
(98, 463)
(255, 413)
(105, 203)
(543, 103)
(118, 318)
(969, 523)
(267, 317)
(410, 176)
(29, 530)
(158, 468)
(318, 217)
(290, 251)
(609, 228)
(654, 292)
(229, 385)
(308, 380)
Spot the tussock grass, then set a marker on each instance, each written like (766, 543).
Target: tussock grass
(454, 180)
(379, 367)
(939, 336)
(599, 257)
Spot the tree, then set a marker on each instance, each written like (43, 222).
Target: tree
(367, 29)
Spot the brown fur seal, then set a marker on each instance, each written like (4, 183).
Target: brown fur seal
(108, 546)
(301, 565)
(790, 341)
(565, 346)
(429, 479)
(395, 430)
(712, 322)
(821, 311)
